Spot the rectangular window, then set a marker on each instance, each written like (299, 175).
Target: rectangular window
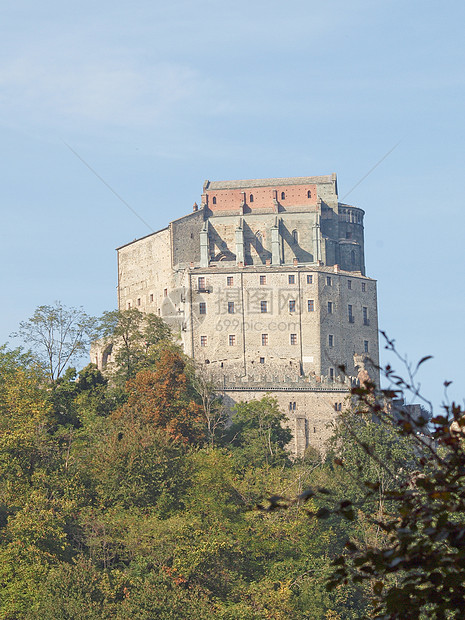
(365, 316)
(129, 305)
(292, 305)
(349, 284)
(331, 374)
(329, 282)
(263, 307)
(330, 340)
(201, 283)
(309, 279)
(351, 316)
(165, 292)
(330, 307)
(262, 360)
(138, 301)
(264, 340)
(365, 346)
(292, 405)
(291, 279)
(203, 341)
(262, 280)
(293, 339)
(231, 307)
(363, 287)
(229, 280)
(310, 305)
(232, 340)
(151, 296)
(202, 308)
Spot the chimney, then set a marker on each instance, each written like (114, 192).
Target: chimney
(296, 262)
(195, 207)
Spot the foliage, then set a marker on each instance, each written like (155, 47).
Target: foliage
(409, 477)
(163, 397)
(112, 509)
(58, 335)
(258, 432)
(133, 334)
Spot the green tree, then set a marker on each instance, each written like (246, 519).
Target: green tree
(58, 335)
(132, 334)
(258, 433)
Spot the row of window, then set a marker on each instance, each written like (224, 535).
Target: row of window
(290, 278)
(283, 196)
(292, 340)
(292, 308)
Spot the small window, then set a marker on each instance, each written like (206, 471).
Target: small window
(203, 341)
(293, 339)
(363, 287)
(292, 305)
(330, 340)
(230, 281)
(349, 284)
(262, 280)
(202, 308)
(330, 307)
(232, 340)
(350, 313)
(201, 282)
(129, 305)
(314, 429)
(138, 301)
(151, 296)
(165, 292)
(263, 307)
(231, 307)
(352, 257)
(214, 200)
(283, 196)
(295, 236)
(310, 305)
(251, 198)
(262, 360)
(329, 281)
(365, 346)
(348, 235)
(365, 316)
(331, 374)
(292, 405)
(309, 279)
(291, 279)
(309, 194)
(264, 340)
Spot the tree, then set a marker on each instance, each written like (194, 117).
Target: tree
(258, 432)
(416, 567)
(58, 335)
(164, 398)
(132, 334)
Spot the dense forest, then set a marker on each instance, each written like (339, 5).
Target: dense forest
(133, 496)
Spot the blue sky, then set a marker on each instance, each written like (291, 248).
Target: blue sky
(157, 97)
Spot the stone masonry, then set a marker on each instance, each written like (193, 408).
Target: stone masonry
(265, 285)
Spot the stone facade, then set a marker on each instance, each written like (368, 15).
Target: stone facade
(265, 284)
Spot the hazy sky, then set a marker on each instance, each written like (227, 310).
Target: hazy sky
(159, 96)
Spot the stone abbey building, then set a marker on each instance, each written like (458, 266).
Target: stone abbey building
(265, 284)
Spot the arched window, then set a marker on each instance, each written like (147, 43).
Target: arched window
(283, 195)
(251, 198)
(214, 200)
(295, 236)
(309, 194)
